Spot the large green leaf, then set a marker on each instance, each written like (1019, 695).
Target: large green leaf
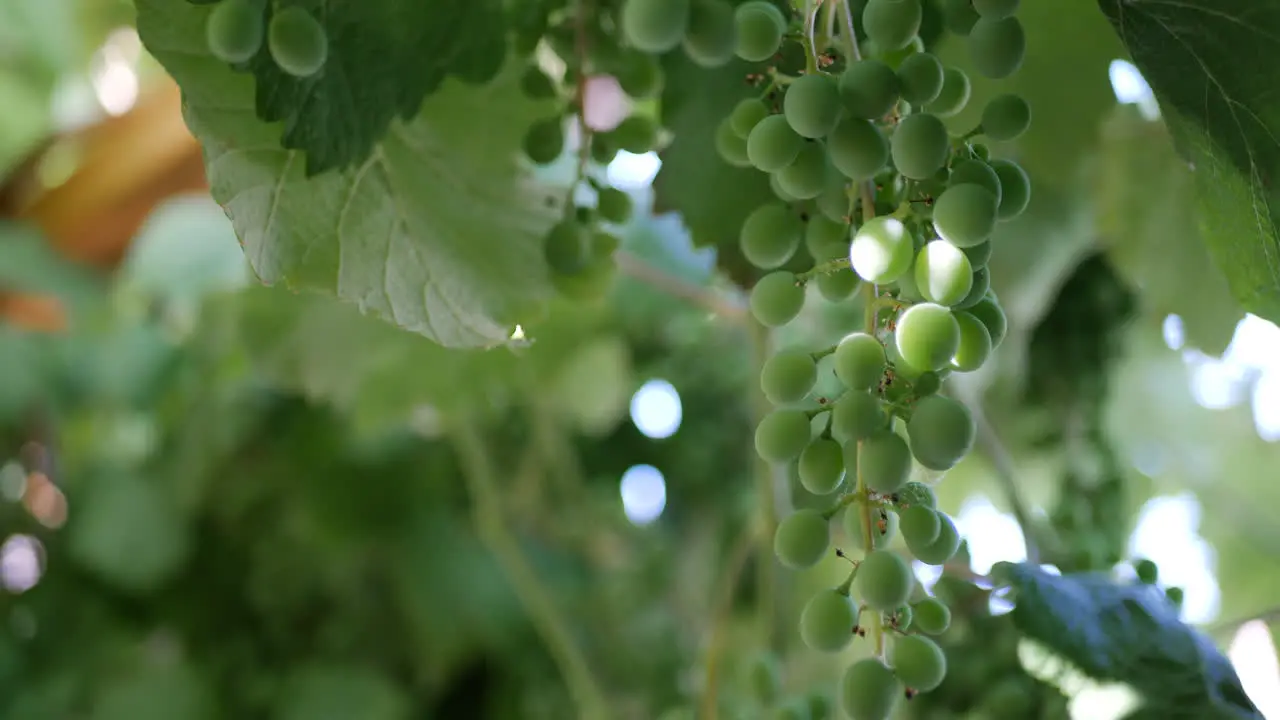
(1208, 62)
(1127, 633)
(438, 231)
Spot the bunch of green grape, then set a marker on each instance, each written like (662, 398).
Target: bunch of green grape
(872, 187)
(236, 30)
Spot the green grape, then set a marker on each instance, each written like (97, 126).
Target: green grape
(639, 74)
(812, 105)
(782, 435)
(918, 662)
(932, 617)
(712, 35)
(297, 41)
(655, 26)
(941, 431)
(1175, 596)
(833, 203)
(536, 84)
(959, 16)
(637, 134)
(802, 539)
(894, 58)
(920, 78)
(760, 27)
(995, 9)
(772, 144)
(978, 290)
(781, 192)
(859, 361)
(857, 415)
(991, 315)
(1148, 572)
(821, 466)
(884, 580)
(917, 493)
(907, 289)
(869, 88)
(593, 281)
(746, 114)
(770, 236)
(234, 30)
(920, 146)
(882, 250)
(954, 95)
(881, 534)
(891, 24)
(824, 252)
(869, 691)
(1006, 117)
(982, 151)
(613, 205)
(901, 368)
(603, 150)
(819, 707)
(919, 523)
(927, 384)
(942, 273)
(975, 343)
(857, 149)
(902, 617)
(776, 299)
(806, 176)
(884, 462)
(544, 140)
(827, 621)
(975, 172)
(821, 232)
(764, 679)
(997, 47)
(943, 548)
(788, 376)
(731, 148)
(965, 215)
(927, 336)
(567, 247)
(1016, 188)
(839, 285)
(978, 256)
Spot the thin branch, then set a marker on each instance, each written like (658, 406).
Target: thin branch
(851, 39)
(715, 650)
(1006, 474)
(766, 489)
(728, 307)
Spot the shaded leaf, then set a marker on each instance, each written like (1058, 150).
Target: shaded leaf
(337, 692)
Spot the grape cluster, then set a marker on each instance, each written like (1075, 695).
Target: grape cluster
(236, 29)
(874, 193)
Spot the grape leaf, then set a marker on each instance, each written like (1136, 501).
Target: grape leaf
(1128, 634)
(384, 57)
(1208, 63)
(438, 231)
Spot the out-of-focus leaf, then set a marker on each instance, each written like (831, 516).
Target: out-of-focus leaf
(159, 692)
(28, 264)
(341, 692)
(593, 388)
(1129, 634)
(186, 249)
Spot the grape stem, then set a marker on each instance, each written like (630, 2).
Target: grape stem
(580, 96)
(830, 267)
(811, 8)
(851, 38)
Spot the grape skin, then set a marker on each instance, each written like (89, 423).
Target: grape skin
(566, 247)
(770, 236)
(712, 35)
(997, 47)
(731, 148)
(235, 30)
(857, 148)
(297, 42)
(975, 343)
(991, 315)
(941, 431)
(838, 285)
(827, 621)
(613, 205)
(776, 299)
(760, 27)
(806, 176)
(920, 78)
(856, 416)
(812, 105)
(920, 146)
(941, 550)
(954, 95)
(965, 215)
(884, 580)
(920, 523)
(891, 24)
(917, 493)
(1015, 187)
(655, 26)
(927, 336)
(884, 462)
(882, 250)
(802, 539)
(821, 466)
(981, 284)
(995, 9)
(959, 16)
(978, 256)
(918, 662)
(746, 114)
(638, 74)
(636, 134)
(782, 435)
(544, 140)
(772, 144)
(1006, 117)
(821, 233)
(869, 89)
(788, 376)
(975, 172)
(869, 690)
(931, 616)
(942, 273)
(859, 361)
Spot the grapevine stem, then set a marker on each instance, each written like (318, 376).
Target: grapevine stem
(851, 38)
(580, 96)
(824, 268)
(729, 582)
(811, 48)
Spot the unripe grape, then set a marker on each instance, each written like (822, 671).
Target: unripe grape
(882, 250)
(819, 707)
(782, 435)
(1006, 117)
(920, 146)
(812, 105)
(859, 361)
(637, 134)
(884, 580)
(802, 539)
(927, 384)
(857, 148)
(821, 233)
(941, 431)
(544, 140)
(776, 299)
(943, 548)
(918, 662)
(917, 493)
(954, 94)
(869, 88)
(297, 41)
(995, 9)
(884, 462)
(833, 203)
(981, 284)
(838, 285)
(869, 690)
(1175, 596)
(821, 466)
(920, 78)
(603, 150)
(712, 35)
(746, 114)
(931, 616)
(1015, 188)
(613, 205)
(772, 144)
(907, 289)
(965, 215)
(942, 273)
(592, 282)
(760, 27)
(920, 523)
(234, 30)
(788, 376)
(566, 247)
(638, 74)
(893, 58)
(1148, 572)
(991, 315)
(975, 343)
(857, 415)
(997, 47)
(729, 146)
(806, 176)
(978, 256)
(781, 192)
(881, 536)
(891, 24)
(959, 16)
(655, 26)
(764, 679)
(770, 236)
(975, 172)
(827, 621)
(927, 336)
(902, 617)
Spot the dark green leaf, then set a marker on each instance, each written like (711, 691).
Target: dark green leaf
(1208, 62)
